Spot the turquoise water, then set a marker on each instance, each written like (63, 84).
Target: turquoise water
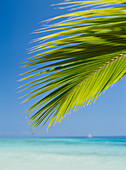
(63, 153)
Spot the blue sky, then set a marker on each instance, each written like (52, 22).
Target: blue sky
(19, 18)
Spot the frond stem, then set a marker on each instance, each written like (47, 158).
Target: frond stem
(116, 58)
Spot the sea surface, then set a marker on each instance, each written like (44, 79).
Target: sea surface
(99, 153)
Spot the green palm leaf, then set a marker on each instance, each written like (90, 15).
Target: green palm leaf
(81, 56)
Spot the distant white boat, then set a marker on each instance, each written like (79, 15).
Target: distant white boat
(89, 136)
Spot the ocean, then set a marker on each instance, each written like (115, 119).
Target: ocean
(97, 153)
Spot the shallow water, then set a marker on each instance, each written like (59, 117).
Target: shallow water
(105, 153)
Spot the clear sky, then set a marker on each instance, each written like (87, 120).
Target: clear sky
(18, 18)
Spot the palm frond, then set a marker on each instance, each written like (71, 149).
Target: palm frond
(80, 57)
